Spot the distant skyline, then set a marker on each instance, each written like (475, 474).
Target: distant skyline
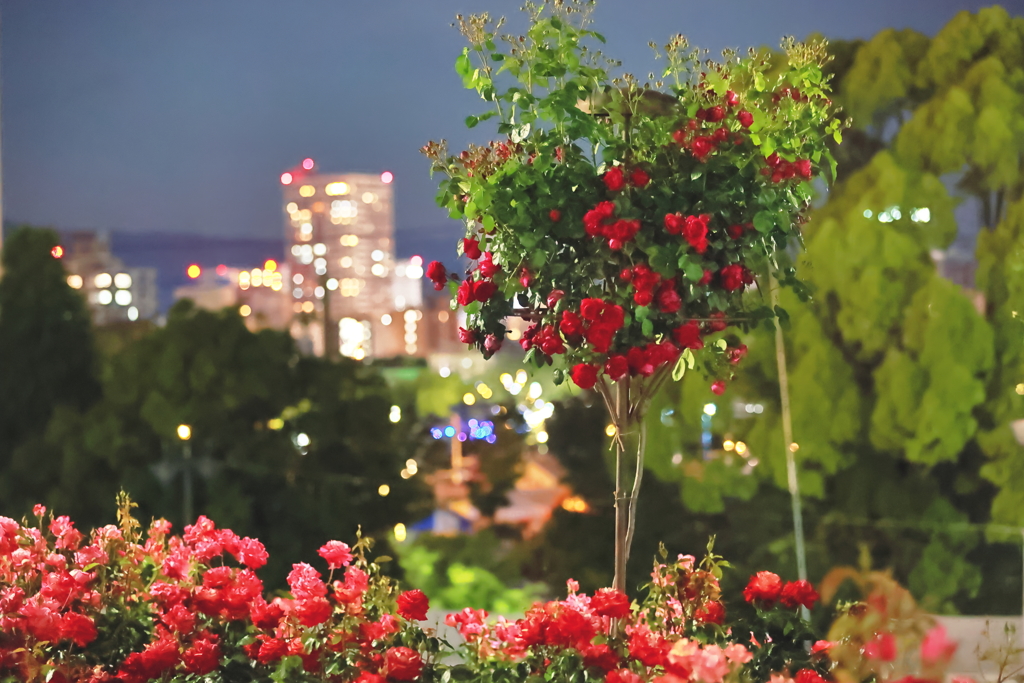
(179, 117)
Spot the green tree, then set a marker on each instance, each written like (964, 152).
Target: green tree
(47, 361)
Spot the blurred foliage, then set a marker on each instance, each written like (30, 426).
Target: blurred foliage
(480, 571)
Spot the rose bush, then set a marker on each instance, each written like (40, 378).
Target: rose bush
(117, 606)
(624, 222)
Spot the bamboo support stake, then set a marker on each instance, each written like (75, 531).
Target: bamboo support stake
(787, 436)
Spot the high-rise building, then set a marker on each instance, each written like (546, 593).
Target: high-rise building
(114, 292)
(339, 237)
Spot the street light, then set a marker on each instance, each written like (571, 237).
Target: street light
(185, 434)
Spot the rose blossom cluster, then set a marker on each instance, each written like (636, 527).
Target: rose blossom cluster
(198, 601)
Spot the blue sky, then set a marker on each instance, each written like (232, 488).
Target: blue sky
(179, 116)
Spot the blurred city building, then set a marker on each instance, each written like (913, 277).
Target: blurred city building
(258, 293)
(114, 292)
(349, 295)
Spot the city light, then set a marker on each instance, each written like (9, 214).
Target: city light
(332, 284)
(610, 430)
(1020, 389)
(104, 297)
(222, 270)
(385, 319)
(75, 281)
(336, 189)
(728, 445)
(469, 399)
(133, 313)
(445, 372)
(575, 504)
(57, 251)
(542, 437)
(194, 271)
(399, 532)
(122, 297)
(741, 447)
(275, 423)
(794, 447)
(244, 310)
(103, 280)
(270, 264)
(386, 177)
(395, 415)
(484, 391)
(710, 409)
(307, 164)
(184, 432)
(122, 280)
(307, 306)
(302, 439)
(286, 178)
(383, 490)
(307, 191)
(535, 390)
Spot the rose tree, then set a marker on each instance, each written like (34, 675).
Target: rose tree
(623, 221)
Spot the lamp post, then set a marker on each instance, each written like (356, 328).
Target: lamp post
(185, 434)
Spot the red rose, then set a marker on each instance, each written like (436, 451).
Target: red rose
(718, 321)
(745, 118)
(674, 223)
(715, 114)
(569, 628)
(484, 290)
(718, 387)
(803, 168)
(600, 336)
(525, 278)
(705, 278)
(639, 362)
(437, 273)
(614, 179)
(721, 135)
(643, 297)
(591, 309)
(622, 676)
(616, 367)
(732, 277)
(467, 336)
(711, 613)
(626, 274)
(687, 336)
(202, 658)
(271, 650)
(882, 647)
(77, 628)
(571, 324)
(403, 664)
(492, 344)
(600, 656)
(526, 341)
(639, 178)
(667, 298)
(731, 98)
(336, 553)
(367, 677)
(487, 266)
(471, 248)
(695, 232)
(736, 354)
(554, 297)
(701, 147)
(555, 215)
(799, 593)
(313, 611)
(609, 602)
(594, 220)
(413, 605)
(808, 676)
(465, 294)
(764, 588)
(584, 375)
(735, 231)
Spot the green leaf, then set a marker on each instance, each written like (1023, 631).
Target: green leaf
(694, 271)
(764, 221)
(679, 370)
(759, 83)
(647, 327)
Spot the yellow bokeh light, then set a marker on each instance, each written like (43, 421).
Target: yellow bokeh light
(275, 423)
(270, 264)
(521, 377)
(184, 432)
(484, 391)
(728, 445)
(399, 532)
(307, 306)
(794, 447)
(307, 191)
(741, 447)
(194, 271)
(575, 504)
(610, 430)
(542, 437)
(244, 310)
(383, 490)
(75, 281)
(336, 189)
(1020, 389)
(469, 399)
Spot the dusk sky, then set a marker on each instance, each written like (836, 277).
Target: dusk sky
(179, 116)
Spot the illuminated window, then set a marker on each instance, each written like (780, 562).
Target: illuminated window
(122, 297)
(103, 280)
(122, 280)
(307, 191)
(105, 297)
(75, 281)
(336, 189)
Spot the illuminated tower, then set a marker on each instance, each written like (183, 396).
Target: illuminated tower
(339, 236)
